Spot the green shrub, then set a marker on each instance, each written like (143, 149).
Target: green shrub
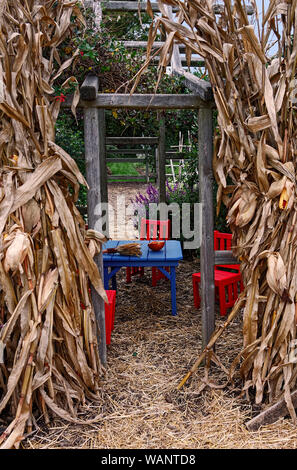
(69, 135)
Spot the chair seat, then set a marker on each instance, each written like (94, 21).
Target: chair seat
(224, 276)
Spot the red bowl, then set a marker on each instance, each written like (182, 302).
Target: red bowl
(156, 246)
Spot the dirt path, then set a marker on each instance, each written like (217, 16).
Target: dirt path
(119, 196)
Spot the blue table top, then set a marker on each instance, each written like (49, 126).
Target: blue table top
(169, 253)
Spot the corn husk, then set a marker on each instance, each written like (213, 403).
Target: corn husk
(253, 87)
(128, 249)
(49, 363)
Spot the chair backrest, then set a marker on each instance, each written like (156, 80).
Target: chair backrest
(154, 229)
(222, 241)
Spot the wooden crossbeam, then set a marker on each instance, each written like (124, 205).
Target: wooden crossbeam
(171, 154)
(143, 44)
(195, 58)
(224, 257)
(196, 61)
(174, 157)
(126, 160)
(195, 84)
(127, 151)
(135, 6)
(142, 101)
(131, 140)
(126, 177)
(129, 6)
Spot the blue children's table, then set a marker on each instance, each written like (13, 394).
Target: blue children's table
(169, 255)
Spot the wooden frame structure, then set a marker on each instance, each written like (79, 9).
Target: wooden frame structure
(93, 104)
(201, 99)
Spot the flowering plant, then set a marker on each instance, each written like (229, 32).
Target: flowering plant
(142, 202)
(176, 192)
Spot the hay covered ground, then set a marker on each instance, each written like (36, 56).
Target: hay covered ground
(150, 352)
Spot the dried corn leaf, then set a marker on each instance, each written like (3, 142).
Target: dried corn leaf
(43, 172)
(259, 123)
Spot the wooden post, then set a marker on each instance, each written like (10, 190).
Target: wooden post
(102, 163)
(156, 167)
(161, 159)
(92, 135)
(147, 172)
(205, 142)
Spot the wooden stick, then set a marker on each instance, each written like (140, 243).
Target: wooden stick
(271, 414)
(212, 341)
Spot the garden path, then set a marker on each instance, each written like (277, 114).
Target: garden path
(119, 196)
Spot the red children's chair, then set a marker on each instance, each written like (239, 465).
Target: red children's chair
(223, 241)
(151, 230)
(227, 283)
(110, 314)
(227, 287)
(154, 229)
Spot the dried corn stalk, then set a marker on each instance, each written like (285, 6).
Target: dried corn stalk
(129, 249)
(252, 69)
(48, 337)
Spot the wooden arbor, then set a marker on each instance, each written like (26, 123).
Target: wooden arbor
(93, 105)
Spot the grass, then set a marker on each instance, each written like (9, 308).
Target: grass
(124, 168)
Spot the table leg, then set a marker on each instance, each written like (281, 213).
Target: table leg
(173, 290)
(114, 282)
(106, 282)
